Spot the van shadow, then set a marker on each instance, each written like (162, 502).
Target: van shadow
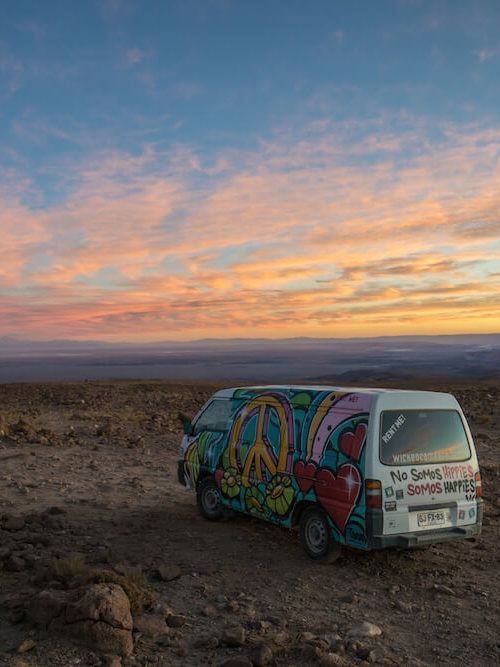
(241, 548)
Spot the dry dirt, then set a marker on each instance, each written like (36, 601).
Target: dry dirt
(89, 470)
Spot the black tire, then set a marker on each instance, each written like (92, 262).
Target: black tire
(316, 536)
(209, 500)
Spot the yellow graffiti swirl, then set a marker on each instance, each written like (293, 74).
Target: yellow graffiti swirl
(258, 454)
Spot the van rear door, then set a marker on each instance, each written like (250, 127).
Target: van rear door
(427, 467)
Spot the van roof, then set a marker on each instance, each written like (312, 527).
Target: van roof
(229, 392)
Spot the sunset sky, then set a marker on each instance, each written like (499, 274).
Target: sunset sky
(173, 170)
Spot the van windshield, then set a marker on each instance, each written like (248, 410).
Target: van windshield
(214, 417)
(422, 436)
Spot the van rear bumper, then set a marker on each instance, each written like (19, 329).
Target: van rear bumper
(374, 524)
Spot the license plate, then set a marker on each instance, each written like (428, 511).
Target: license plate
(435, 518)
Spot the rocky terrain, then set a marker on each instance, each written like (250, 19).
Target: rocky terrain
(104, 559)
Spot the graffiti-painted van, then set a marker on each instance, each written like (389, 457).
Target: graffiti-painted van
(365, 468)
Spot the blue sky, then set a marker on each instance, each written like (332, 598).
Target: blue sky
(226, 111)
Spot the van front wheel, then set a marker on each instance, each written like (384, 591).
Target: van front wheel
(316, 536)
(209, 500)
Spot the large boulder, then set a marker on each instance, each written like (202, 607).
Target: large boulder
(101, 619)
(97, 616)
(101, 602)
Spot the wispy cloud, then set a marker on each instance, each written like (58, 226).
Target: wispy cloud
(8, 62)
(37, 30)
(487, 54)
(134, 56)
(187, 90)
(336, 229)
(339, 36)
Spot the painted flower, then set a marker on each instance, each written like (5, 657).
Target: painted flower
(255, 501)
(279, 494)
(230, 482)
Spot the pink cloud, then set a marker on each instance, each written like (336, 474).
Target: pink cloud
(134, 56)
(296, 237)
(487, 54)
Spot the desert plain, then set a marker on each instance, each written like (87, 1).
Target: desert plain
(104, 559)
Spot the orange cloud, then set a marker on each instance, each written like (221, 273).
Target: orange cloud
(329, 234)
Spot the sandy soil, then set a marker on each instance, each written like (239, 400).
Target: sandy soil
(104, 455)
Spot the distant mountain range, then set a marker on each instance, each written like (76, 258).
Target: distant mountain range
(263, 360)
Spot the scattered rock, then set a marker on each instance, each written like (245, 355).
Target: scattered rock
(176, 620)
(362, 651)
(53, 522)
(151, 625)
(25, 646)
(282, 638)
(14, 563)
(234, 636)
(17, 661)
(105, 430)
(334, 640)
(236, 662)
(4, 552)
(182, 651)
(208, 641)
(14, 523)
(364, 629)
(16, 615)
(371, 655)
(22, 431)
(47, 606)
(209, 611)
(333, 660)
(163, 609)
(169, 572)
(112, 661)
(262, 656)
(102, 555)
(441, 588)
(55, 510)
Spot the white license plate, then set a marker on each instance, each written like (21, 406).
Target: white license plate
(434, 518)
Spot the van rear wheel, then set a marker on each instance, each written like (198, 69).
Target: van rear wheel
(316, 536)
(209, 501)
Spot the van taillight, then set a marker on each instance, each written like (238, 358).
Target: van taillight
(479, 488)
(373, 490)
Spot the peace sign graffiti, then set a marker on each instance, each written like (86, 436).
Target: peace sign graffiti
(264, 458)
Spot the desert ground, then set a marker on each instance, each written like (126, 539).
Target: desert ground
(90, 505)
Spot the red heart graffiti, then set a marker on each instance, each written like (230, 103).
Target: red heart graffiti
(305, 474)
(219, 474)
(338, 493)
(351, 442)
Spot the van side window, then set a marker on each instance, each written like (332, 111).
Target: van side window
(215, 417)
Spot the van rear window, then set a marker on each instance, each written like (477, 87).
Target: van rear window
(422, 436)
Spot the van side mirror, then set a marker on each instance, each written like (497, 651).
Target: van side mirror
(187, 426)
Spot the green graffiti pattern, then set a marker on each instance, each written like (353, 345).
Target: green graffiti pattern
(270, 493)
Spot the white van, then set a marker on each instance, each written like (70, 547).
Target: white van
(366, 468)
